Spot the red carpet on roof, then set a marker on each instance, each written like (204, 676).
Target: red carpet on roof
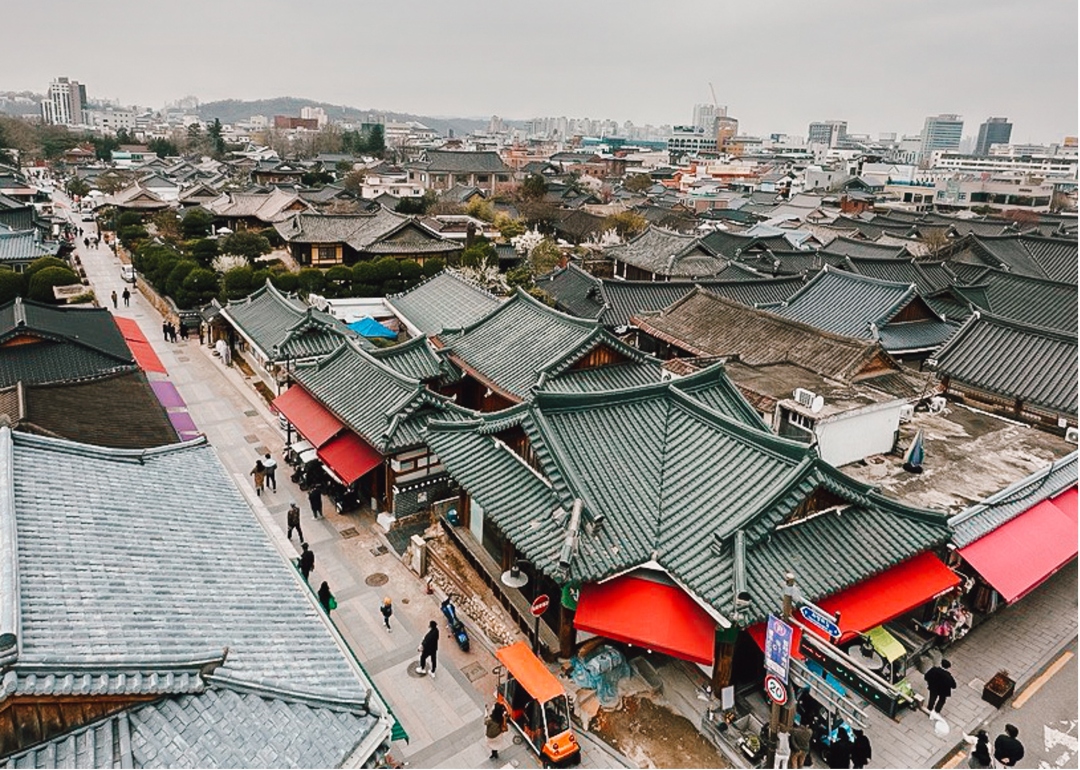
(139, 346)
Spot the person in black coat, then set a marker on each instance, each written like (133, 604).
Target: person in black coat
(326, 599)
(1008, 750)
(839, 753)
(307, 561)
(860, 750)
(428, 648)
(940, 683)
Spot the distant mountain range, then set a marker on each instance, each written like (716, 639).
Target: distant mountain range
(234, 110)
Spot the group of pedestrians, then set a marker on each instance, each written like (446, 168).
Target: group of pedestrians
(127, 300)
(169, 330)
(265, 475)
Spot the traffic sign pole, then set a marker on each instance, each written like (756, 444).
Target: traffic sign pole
(538, 607)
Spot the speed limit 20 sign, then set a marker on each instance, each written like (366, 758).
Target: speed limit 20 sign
(776, 690)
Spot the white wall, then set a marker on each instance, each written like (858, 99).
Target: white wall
(476, 520)
(853, 437)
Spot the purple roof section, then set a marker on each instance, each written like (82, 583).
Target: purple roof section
(167, 394)
(183, 423)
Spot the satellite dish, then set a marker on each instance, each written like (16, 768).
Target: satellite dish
(817, 404)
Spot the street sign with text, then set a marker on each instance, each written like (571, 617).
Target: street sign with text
(817, 617)
(776, 690)
(539, 605)
(777, 647)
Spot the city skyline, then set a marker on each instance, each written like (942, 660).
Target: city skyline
(776, 67)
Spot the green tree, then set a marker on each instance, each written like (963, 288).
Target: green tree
(481, 253)
(77, 187)
(376, 143)
(519, 276)
(179, 272)
(43, 262)
(544, 257)
(337, 281)
(238, 282)
(286, 282)
(196, 223)
(42, 283)
(217, 143)
(104, 146)
(433, 266)
(12, 285)
(245, 244)
(316, 178)
(419, 205)
(508, 226)
(637, 182)
(481, 209)
(626, 223)
(310, 280)
(163, 147)
(199, 287)
(533, 188)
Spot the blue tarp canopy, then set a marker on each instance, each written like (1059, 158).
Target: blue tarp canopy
(369, 327)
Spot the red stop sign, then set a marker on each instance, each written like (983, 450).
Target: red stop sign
(540, 605)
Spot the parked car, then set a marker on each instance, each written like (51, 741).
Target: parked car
(127, 272)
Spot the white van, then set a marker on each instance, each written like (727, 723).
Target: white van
(127, 272)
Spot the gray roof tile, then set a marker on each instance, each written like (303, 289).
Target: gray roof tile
(444, 301)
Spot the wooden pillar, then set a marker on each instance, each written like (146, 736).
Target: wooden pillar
(507, 555)
(567, 632)
(464, 509)
(723, 657)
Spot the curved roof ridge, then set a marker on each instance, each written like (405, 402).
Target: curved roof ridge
(290, 695)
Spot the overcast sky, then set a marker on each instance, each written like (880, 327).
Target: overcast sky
(776, 64)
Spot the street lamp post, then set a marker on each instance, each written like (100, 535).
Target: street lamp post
(515, 578)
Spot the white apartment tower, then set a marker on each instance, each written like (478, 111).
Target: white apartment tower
(64, 103)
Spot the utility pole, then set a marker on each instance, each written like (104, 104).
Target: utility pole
(781, 717)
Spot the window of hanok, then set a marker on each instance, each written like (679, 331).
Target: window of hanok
(325, 254)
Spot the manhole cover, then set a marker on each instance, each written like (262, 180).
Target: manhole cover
(378, 550)
(251, 438)
(376, 579)
(182, 359)
(474, 671)
(250, 413)
(348, 532)
(411, 668)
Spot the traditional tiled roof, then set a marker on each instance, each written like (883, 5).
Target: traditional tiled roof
(458, 162)
(130, 601)
(86, 412)
(789, 262)
(268, 207)
(852, 305)
(444, 301)
(851, 247)
(1009, 359)
(704, 324)
(1053, 258)
(385, 408)
(414, 359)
(523, 343)
(23, 246)
(731, 245)
(378, 231)
(901, 271)
(666, 480)
(1031, 301)
(668, 253)
(57, 344)
(1004, 506)
(284, 327)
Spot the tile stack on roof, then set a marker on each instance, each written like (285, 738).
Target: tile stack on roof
(1013, 361)
(124, 598)
(444, 301)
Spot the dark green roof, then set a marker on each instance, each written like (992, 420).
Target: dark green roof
(665, 479)
(1053, 258)
(445, 301)
(414, 359)
(1031, 301)
(523, 344)
(667, 253)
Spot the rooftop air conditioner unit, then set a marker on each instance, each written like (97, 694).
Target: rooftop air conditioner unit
(1072, 435)
(804, 396)
(937, 404)
(907, 411)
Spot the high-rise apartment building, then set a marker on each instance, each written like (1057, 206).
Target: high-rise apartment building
(827, 132)
(64, 103)
(941, 132)
(705, 115)
(993, 131)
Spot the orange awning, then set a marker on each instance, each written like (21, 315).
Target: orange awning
(312, 419)
(529, 671)
(139, 346)
(646, 613)
(349, 456)
(1020, 554)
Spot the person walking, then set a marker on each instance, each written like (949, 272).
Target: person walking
(326, 599)
(800, 745)
(1008, 750)
(940, 683)
(860, 750)
(270, 466)
(292, 520)
(113, 296)
(839, 752)
(127, 297)
(980, 754)
(307, 561)
(496, 730)
(165, 329)
(315, 500)
(260, 477)
(387, 609)
(428, 649)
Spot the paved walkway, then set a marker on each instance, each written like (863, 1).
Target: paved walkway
(443, 716)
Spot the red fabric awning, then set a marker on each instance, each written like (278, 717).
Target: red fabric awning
(1066, 501)
(312, 419)
(1022, 553)
(884, 596)
(880, 598)
(645, 613)
(349, 456)
(139, 346)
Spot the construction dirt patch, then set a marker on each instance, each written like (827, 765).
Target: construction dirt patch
(653, 736)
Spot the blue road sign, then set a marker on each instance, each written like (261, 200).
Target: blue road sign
(815, 616)
(777, 648)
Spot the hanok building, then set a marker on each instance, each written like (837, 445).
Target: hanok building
(18, 248)
(447, 300)
(255, 211)
(662, 255)
(843, 395)
(324, 240)
(524, 346)
(1024, 372)
(1035, 256)
(851, 305)
(666, 502)
(130, 643)
(364, 418)
(443, 169)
